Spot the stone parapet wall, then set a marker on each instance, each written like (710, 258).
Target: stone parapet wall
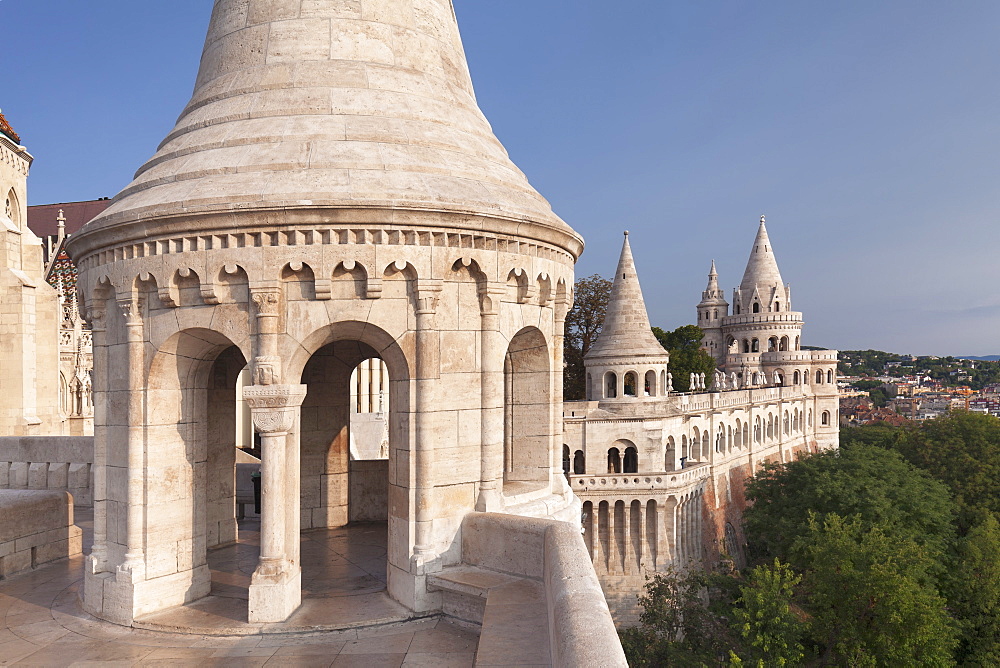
(36, 527)
(61, 463)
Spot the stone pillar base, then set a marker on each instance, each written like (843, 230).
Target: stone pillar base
(116, 598)
(274, 598)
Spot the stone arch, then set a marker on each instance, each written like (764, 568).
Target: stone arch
(614, 460)
(705, 446)
(825, 419)
(12, 209)
(298, 281)
(670, 454)
(579, 463)
(566, 460)
(232, 285)
(819, 376)
(610, 385)
(630, 460)
(772, 344)
(350, 280)
(755, 345)
(190, 457)
(399, 279)
(649, 385)
(518, 286)
(829, 376)
(757, 430)
(630, 384)
(783, 344)
(746, 434)
(527, 402)
(797, 378)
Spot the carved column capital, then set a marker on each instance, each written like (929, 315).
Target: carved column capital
(267, 301)
(490, 296)
(97, 317)
(131, 310)
(273, 407)
(428, 292)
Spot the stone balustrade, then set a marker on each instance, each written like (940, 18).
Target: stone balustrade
(61, 463)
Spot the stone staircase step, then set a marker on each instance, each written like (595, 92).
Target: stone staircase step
(464, 590)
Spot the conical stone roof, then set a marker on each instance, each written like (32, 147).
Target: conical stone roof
(762, 267)
(626, 331)
(303, 105)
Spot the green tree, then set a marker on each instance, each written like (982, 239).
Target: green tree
(962, 450)
(871, 599)
(975, 595)
(875, 484)
(583, 326)
(686, 355)
(764, 618)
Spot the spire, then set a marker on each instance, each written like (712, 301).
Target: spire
(303, 107)
(60, 227)
(626, 331)
(762, 268)
(712, 294)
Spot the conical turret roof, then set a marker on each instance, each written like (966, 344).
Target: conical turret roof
(762, 268)
(339, 105)
(712, 294)
(626, 331)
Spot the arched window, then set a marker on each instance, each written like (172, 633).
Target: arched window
(787, 424)
(704, 445)
(770, 427)
(777, 306)
(746, 346)
(772, 344)
(579, 462)
(810, 418)
(715, 314)
(614, 461)
(829, 376)
(611, 385)
(663, 383)
(796, 378)
(720, 440)
(825, 419)
(746, 434)
(737, 312)
(684, 449)
(819, 375)
(796, 343)
(783, 343)
(780, 378)
(631, 464)
(670, 454)
(755, 346)
(756, 307)
(649, 387)
(565, 459)
(756, 430)
(630, 384)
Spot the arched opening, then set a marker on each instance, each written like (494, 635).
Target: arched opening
(611, 385)
(796, 378)
(614, 460)
(629, 386)
(819, 376)
(527, 427)
(755, 346)
(777, 306)
(579, 463)
(796, 343)
(685, 455)
(705, 445)
(695, 451)
(825, 419)
(720, 439)
(191, 458)
(783, 343)
(756, 430)
(630, 463)
(12, 209)
(746, 345)
(829, 376)
(787, 424)
(772, 344)
(670, 454)
(756, 307)
(746, 434)
(565, 460)
(649, 388)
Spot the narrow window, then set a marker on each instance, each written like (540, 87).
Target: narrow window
(611, 386)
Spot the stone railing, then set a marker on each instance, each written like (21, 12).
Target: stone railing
(672, 481)
(581, 631)
(49, 462)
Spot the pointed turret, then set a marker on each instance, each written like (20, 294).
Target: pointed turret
(711, 309)
(761, 289)
(626, 331)
(301, 107)
(762, 268)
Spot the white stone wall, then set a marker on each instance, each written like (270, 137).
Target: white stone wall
(49, 462)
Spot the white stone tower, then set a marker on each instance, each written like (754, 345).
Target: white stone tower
(331, 193)
(712, 308)
(626, 364)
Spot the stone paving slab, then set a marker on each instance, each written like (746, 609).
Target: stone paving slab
(43, 624)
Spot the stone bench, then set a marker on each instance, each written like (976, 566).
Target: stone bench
(36, 527)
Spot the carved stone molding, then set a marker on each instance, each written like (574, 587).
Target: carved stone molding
(490, 297)
(428, 293)
(273, 407)
(267, 370)
(131, 310)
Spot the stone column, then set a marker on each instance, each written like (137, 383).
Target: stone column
(276, 584)
(627, 548)
(428, 352)
(267, 364)
(562, 307)
(492, 361)
(643, 548)
(131, 309)
(613, 551)
(97, 562)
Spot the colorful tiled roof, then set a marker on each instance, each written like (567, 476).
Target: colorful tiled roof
(7, 130)
(63, 273)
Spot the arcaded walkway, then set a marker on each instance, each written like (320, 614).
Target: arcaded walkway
(42, 624)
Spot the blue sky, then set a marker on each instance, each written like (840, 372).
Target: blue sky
(868, 133)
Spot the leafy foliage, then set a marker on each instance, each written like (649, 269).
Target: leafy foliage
(583, 326)
(764, 618)
(686, 355)
(871, 597)
(872, 483)
(975, 596)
